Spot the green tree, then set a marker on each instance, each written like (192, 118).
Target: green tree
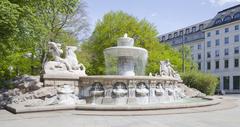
(26, 27)
(114, 25)
(63, 20)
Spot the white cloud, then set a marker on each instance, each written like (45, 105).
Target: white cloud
(222, 2)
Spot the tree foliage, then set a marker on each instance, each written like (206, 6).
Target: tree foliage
(112, 26)
(26, 27)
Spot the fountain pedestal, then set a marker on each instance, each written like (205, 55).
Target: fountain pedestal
(126, 66)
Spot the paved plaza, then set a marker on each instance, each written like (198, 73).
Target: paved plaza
(221, 118)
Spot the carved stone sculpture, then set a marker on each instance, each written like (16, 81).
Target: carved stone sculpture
(66, 95)
(166, 69)
(159, 90)
(68, 65)
(142, 89)
(120, 89)
(96, 89)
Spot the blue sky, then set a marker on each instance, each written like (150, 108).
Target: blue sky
(166, 15)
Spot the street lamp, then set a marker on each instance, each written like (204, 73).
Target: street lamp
(183, 54)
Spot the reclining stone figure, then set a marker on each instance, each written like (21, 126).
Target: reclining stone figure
(166, 69)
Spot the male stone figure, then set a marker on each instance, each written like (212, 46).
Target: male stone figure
(166, 69)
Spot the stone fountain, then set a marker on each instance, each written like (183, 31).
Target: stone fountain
(126, 84)
(125, 87)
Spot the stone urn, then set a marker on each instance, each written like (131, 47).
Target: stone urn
(66, 95)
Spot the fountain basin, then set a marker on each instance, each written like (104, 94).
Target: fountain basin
(186, 103)
(135, 89)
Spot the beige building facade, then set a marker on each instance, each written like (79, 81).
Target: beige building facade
(215, 46)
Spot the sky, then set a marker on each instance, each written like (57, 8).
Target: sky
(166, 15)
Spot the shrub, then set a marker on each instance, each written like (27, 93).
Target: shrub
(204, 82)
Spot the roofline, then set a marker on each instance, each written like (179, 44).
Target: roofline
(183, 28)
(229, 8)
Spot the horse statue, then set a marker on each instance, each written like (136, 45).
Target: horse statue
(68, 65)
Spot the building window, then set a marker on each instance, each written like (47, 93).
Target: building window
(209, 65)
(236, 38)
(236, 62)
(225, 63)
(217, 64)
(199, 56)
(187, 31)
(218, 21)
(236, 50)
(181, 33)
(193, 29)
(199, 46)
(226, 30)
(237, 27)
(226, 40)
(236, 16)
(226, 82)
(217, 32)
(169, 36)
(199, 66)
(216, 53)
(227, 19)
(175, 34)
(201, 27)
(236, 82)
(226, 52)
(209, 34)
(163, 38)
(217, 42)
(209, 44)
(208, 54)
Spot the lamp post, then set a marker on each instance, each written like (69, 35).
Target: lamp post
(183, 54)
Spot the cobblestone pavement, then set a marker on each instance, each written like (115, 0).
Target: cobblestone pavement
(219, 118)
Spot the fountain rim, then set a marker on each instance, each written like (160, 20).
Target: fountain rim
(121, 77)
(126, 47)
(131, 109)
(209, 101)
(107, 51)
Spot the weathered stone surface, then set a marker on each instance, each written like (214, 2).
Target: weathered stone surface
(67, 99)
(45, 92)
(81, 101)
(21, 98)
(191, 92)
(41, 102)
(27, 83)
